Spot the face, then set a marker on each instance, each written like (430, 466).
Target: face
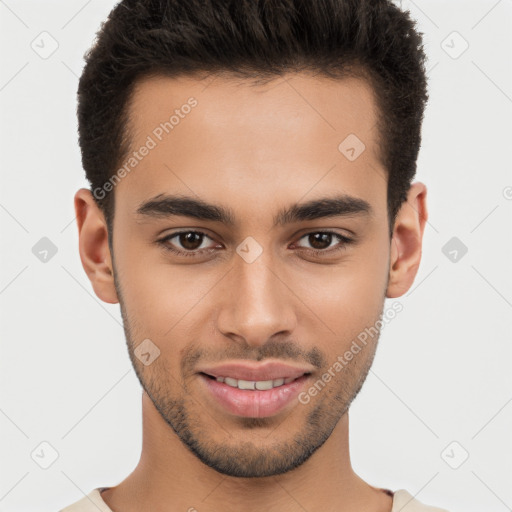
(277, 252)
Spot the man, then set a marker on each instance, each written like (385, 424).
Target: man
(251, 208)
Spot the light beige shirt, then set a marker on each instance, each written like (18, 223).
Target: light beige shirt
(403, 501)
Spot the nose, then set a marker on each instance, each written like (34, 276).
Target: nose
(257, 302)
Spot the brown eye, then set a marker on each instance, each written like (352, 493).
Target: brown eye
(320, 240)
(187, 243)
(190, 240)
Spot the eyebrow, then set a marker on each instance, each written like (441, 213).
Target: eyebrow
(165, 206)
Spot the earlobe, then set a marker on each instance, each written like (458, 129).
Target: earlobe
(406, 244)
(93, 246)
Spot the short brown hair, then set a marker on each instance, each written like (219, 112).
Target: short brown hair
(259, 40)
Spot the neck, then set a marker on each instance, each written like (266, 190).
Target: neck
(169, 475)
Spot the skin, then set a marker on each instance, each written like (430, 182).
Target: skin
(255, 150)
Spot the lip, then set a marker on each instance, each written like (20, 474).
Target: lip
(254, 403)
(256, 371)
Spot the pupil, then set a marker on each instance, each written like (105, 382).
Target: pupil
(187, 240)
(322, 237)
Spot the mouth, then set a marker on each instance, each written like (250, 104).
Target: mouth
(255, 398)
(260, 385)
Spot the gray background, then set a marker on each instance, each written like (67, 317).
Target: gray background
(440, 388)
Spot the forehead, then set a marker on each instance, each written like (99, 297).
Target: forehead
(219, 137)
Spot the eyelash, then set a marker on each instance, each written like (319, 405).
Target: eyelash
(317, 252)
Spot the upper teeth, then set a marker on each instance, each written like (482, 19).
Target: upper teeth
(261, 385)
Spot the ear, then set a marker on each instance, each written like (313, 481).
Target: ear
(93, 246)
(407, 239)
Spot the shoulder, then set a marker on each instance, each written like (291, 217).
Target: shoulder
(93, 502)
(403, 501)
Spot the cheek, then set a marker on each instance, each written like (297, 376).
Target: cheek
(162, 300)
(348, 299)
(353, 290)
